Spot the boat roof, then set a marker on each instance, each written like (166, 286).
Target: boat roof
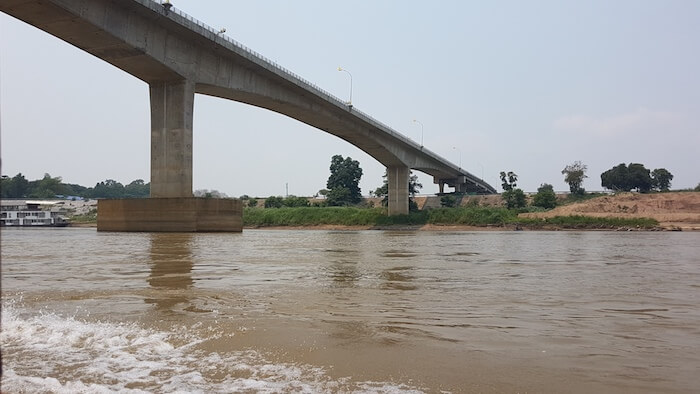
(26, 202)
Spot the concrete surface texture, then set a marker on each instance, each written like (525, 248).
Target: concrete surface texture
(180, 214)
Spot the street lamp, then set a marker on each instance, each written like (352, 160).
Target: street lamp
(482, 170)
(166, 5)
(421, 131)
(342, 69)
(460, 156)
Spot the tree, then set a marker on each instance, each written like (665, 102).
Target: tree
(108, 189)
(574, 175)
(626, 178)
(294, 201)
(545, 197)
(137, 188)
(47, 187)
(343, 183)
(338, 196)
(640, 178)
(509, 180)
(448, 201)
(15, 187)
(616, 178)
(274, 202)
(514, 198)
(661, 179)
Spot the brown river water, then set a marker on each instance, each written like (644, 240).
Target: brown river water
(307, 311)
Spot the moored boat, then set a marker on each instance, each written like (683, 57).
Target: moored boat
(21, 213)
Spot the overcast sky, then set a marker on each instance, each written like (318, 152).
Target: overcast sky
(515, 86)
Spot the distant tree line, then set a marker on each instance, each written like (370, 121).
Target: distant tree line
(53, 187)
(619, 178)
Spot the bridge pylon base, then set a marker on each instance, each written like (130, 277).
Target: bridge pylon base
(173, 214)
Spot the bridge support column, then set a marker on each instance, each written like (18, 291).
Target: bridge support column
(172, 105)
(397, 177)
(171, 206)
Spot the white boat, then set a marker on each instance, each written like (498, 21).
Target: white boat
(19, 213)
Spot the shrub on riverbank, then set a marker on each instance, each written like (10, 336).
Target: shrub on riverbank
(465, 216)
(311, 216)
(472, 216)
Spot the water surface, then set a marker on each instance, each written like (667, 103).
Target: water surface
(350, 311)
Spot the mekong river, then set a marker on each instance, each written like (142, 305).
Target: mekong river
(350, 311)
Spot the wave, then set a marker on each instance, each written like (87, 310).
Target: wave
(48, 353)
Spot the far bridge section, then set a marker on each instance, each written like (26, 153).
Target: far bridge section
(179, 56)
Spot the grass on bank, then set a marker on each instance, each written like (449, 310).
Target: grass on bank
(467, 216)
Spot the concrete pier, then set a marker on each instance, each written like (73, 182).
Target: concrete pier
(397, 178)
(172, 106)
(178, 214)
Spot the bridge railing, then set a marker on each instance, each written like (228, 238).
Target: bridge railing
(302, 81)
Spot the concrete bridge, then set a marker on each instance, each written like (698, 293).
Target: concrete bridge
(179, 56)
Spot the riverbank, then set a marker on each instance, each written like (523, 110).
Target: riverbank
(675, 211)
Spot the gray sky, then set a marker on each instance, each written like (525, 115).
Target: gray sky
(515, 86)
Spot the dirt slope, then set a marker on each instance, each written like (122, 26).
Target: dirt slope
(672, 210)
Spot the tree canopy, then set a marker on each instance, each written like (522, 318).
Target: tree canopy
(545, 197)
(514, 198)
(635, 176)
(52, 187)
(343, 183)
(661, 179)
(574, 175)
(508, 180)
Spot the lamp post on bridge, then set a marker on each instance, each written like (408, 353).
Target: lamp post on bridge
(167, 6)
(342, 69)
(460, 156)
(421, 131)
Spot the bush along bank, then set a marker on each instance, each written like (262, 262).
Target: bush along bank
(461, 216)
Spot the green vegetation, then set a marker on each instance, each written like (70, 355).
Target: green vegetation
(52, 187)
(448, 201)
(545, 197)
(311, 216)
(467, 216)
(514, 198)
(661, 179)
(636, 176)
(473, 216)
(343, 183)
(574, 175)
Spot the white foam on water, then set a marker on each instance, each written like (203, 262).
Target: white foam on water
(49, 353)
